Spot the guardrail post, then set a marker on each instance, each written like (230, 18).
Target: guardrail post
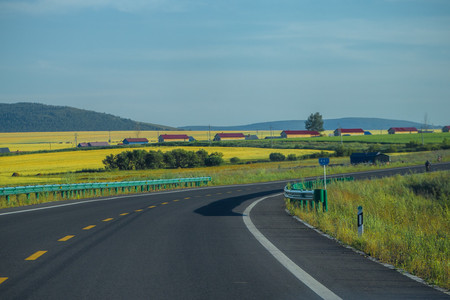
(37, 196)
(8, 199)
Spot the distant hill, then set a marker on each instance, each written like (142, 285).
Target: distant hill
(35, 117)
(329, 124)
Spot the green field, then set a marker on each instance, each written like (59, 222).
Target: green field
(389, 138)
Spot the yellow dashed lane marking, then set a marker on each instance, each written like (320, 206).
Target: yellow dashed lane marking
(124, 214)
(89, 227)
(176, 200)
(209, 195)
(107, 220)
(187, 198)
(138, 210)
(36, 255)
(66, 238)
(152, 206)
(3, 279)
(164, 203)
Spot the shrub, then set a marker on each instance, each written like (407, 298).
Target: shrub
(275, 156)
(214, 159)
(235, 160)
(291, 157)
(342, 151)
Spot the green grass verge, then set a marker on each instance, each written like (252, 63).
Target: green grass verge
(406, 221)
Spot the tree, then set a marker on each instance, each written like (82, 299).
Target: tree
(214, 159)
(275, 156)
(314, 122)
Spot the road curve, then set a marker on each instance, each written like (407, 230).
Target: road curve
(185, 244)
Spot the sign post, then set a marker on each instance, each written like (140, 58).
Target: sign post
(360, 221)
(324, 161)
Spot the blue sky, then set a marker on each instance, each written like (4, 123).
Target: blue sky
(230, 62)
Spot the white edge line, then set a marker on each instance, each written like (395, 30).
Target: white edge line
(89, 201)
(298, 272)
(389, 266)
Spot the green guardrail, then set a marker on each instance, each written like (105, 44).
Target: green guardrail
(313, 184)
(98, 188)
(304, 199)
(308, 194)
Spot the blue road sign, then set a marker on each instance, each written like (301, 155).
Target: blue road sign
(324, 161)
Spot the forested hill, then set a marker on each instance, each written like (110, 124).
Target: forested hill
(35, 117)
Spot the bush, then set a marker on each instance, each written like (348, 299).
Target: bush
(235, 160)
(374, 148)
(277, 156)
(214, 159)
(291, 157)
(412, 144)
(342, 151)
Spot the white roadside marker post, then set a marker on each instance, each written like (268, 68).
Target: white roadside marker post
(360, 221)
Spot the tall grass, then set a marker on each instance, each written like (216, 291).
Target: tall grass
(406, 221)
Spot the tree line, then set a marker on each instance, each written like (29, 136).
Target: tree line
(177, 158)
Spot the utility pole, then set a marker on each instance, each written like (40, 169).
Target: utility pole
(76, 137)
(271, 137)
(424, 126)
(209, 135)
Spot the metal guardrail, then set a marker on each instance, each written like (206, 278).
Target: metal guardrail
(67, 190)
(305, 198)
(298, 194)
(313, 184)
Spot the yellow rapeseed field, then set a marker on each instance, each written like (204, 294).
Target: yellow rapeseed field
(39, 164)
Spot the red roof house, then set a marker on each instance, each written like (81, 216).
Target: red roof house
(298, 133)
(135, 141)
(397, 130)
(229, 136)
(173, 138)
(352, 131)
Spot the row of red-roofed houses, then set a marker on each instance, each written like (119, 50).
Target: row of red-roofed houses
(403, 130)
(240, 136)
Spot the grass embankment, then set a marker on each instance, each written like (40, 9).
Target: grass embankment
(406, 221)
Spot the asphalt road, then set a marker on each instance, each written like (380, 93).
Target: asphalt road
(185, 244)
